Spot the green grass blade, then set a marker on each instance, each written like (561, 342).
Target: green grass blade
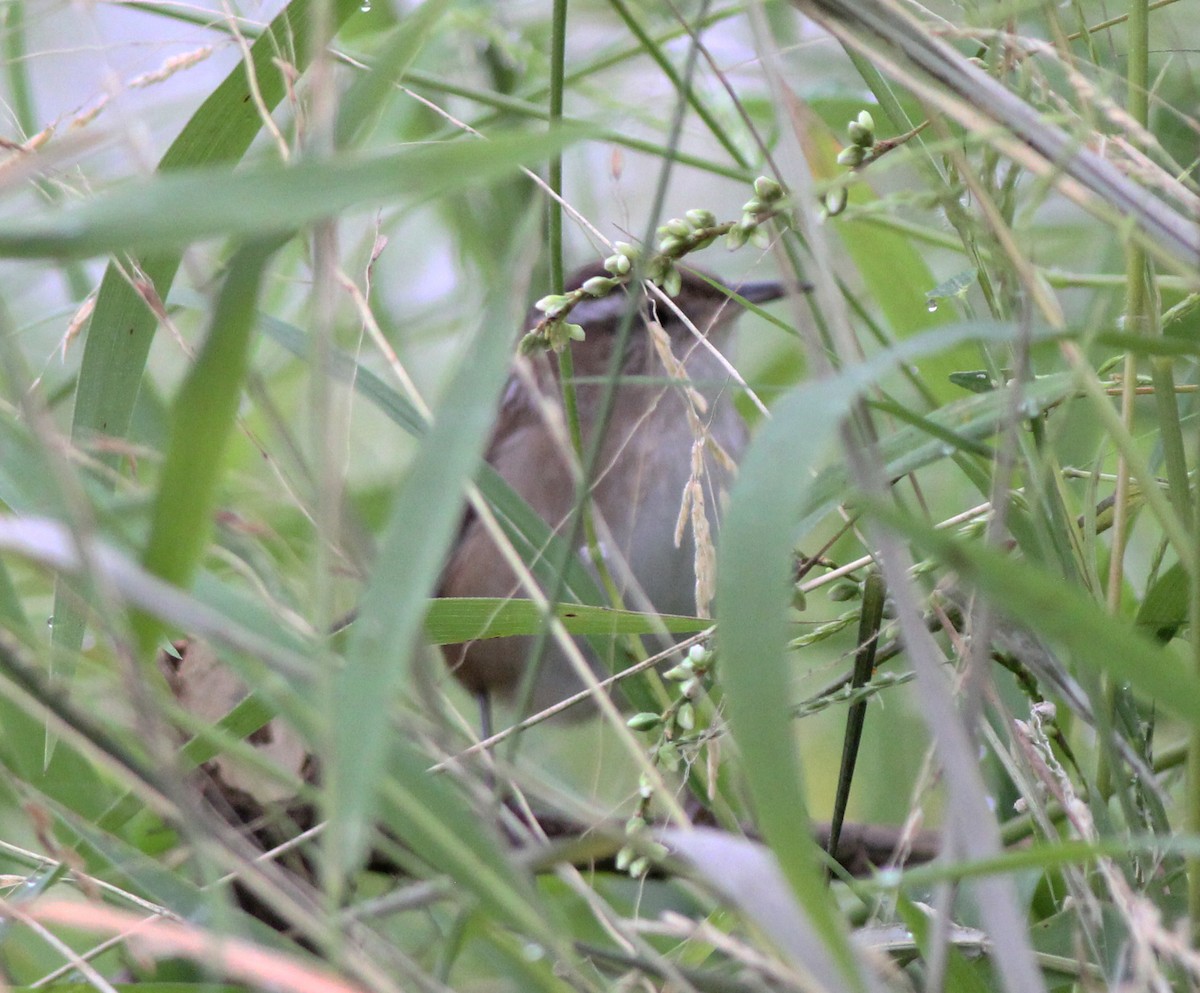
(538, 546)
(438, 825)
(389, 65)
(1063, 614)
(453, 620)
(754, 571)
(422, 522)
(202, 421)
(122, 325)
(169, 211)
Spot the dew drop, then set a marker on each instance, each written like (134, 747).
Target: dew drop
(365, 6)
(932, 306)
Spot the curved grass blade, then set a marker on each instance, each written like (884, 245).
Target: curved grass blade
(1059, 612)
(753, 582)
(169, 211)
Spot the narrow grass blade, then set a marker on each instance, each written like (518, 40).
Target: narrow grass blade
(202, 421)
(422, 522)
(395, 56)
(453, 620)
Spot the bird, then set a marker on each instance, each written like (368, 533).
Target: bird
(658, 426)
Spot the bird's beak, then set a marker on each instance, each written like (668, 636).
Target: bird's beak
(761, 291)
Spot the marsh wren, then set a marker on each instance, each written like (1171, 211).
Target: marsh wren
(672, 425)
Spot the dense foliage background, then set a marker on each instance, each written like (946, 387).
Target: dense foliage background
(264, 272)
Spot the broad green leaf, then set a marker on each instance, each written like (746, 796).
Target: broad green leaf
(955, 427)
(122, 326)
(1165, 608)
(170, 210)
(772, 495)
(12, 612)
(68, 778)
(752, 581)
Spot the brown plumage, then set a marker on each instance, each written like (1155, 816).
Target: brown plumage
(645, 464)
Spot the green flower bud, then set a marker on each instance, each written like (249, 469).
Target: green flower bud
(767, 189)
(644, 721)
(845, 591)
(624, 857)
(668, 757)
(735, 239)
(598, 286)
(657, 269)
(799, 600)
(685, 717)
(753, 206)
(678, 227)
(672, 282)
(835, 201)
(639, 866)
(532, 341)
(631, 252)
(866, 121)
(851, 155)
(551, 305)
(671, 245)
(635, 825)
(701, 218)
(859, 135)
(575, 331)
(556, 335)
